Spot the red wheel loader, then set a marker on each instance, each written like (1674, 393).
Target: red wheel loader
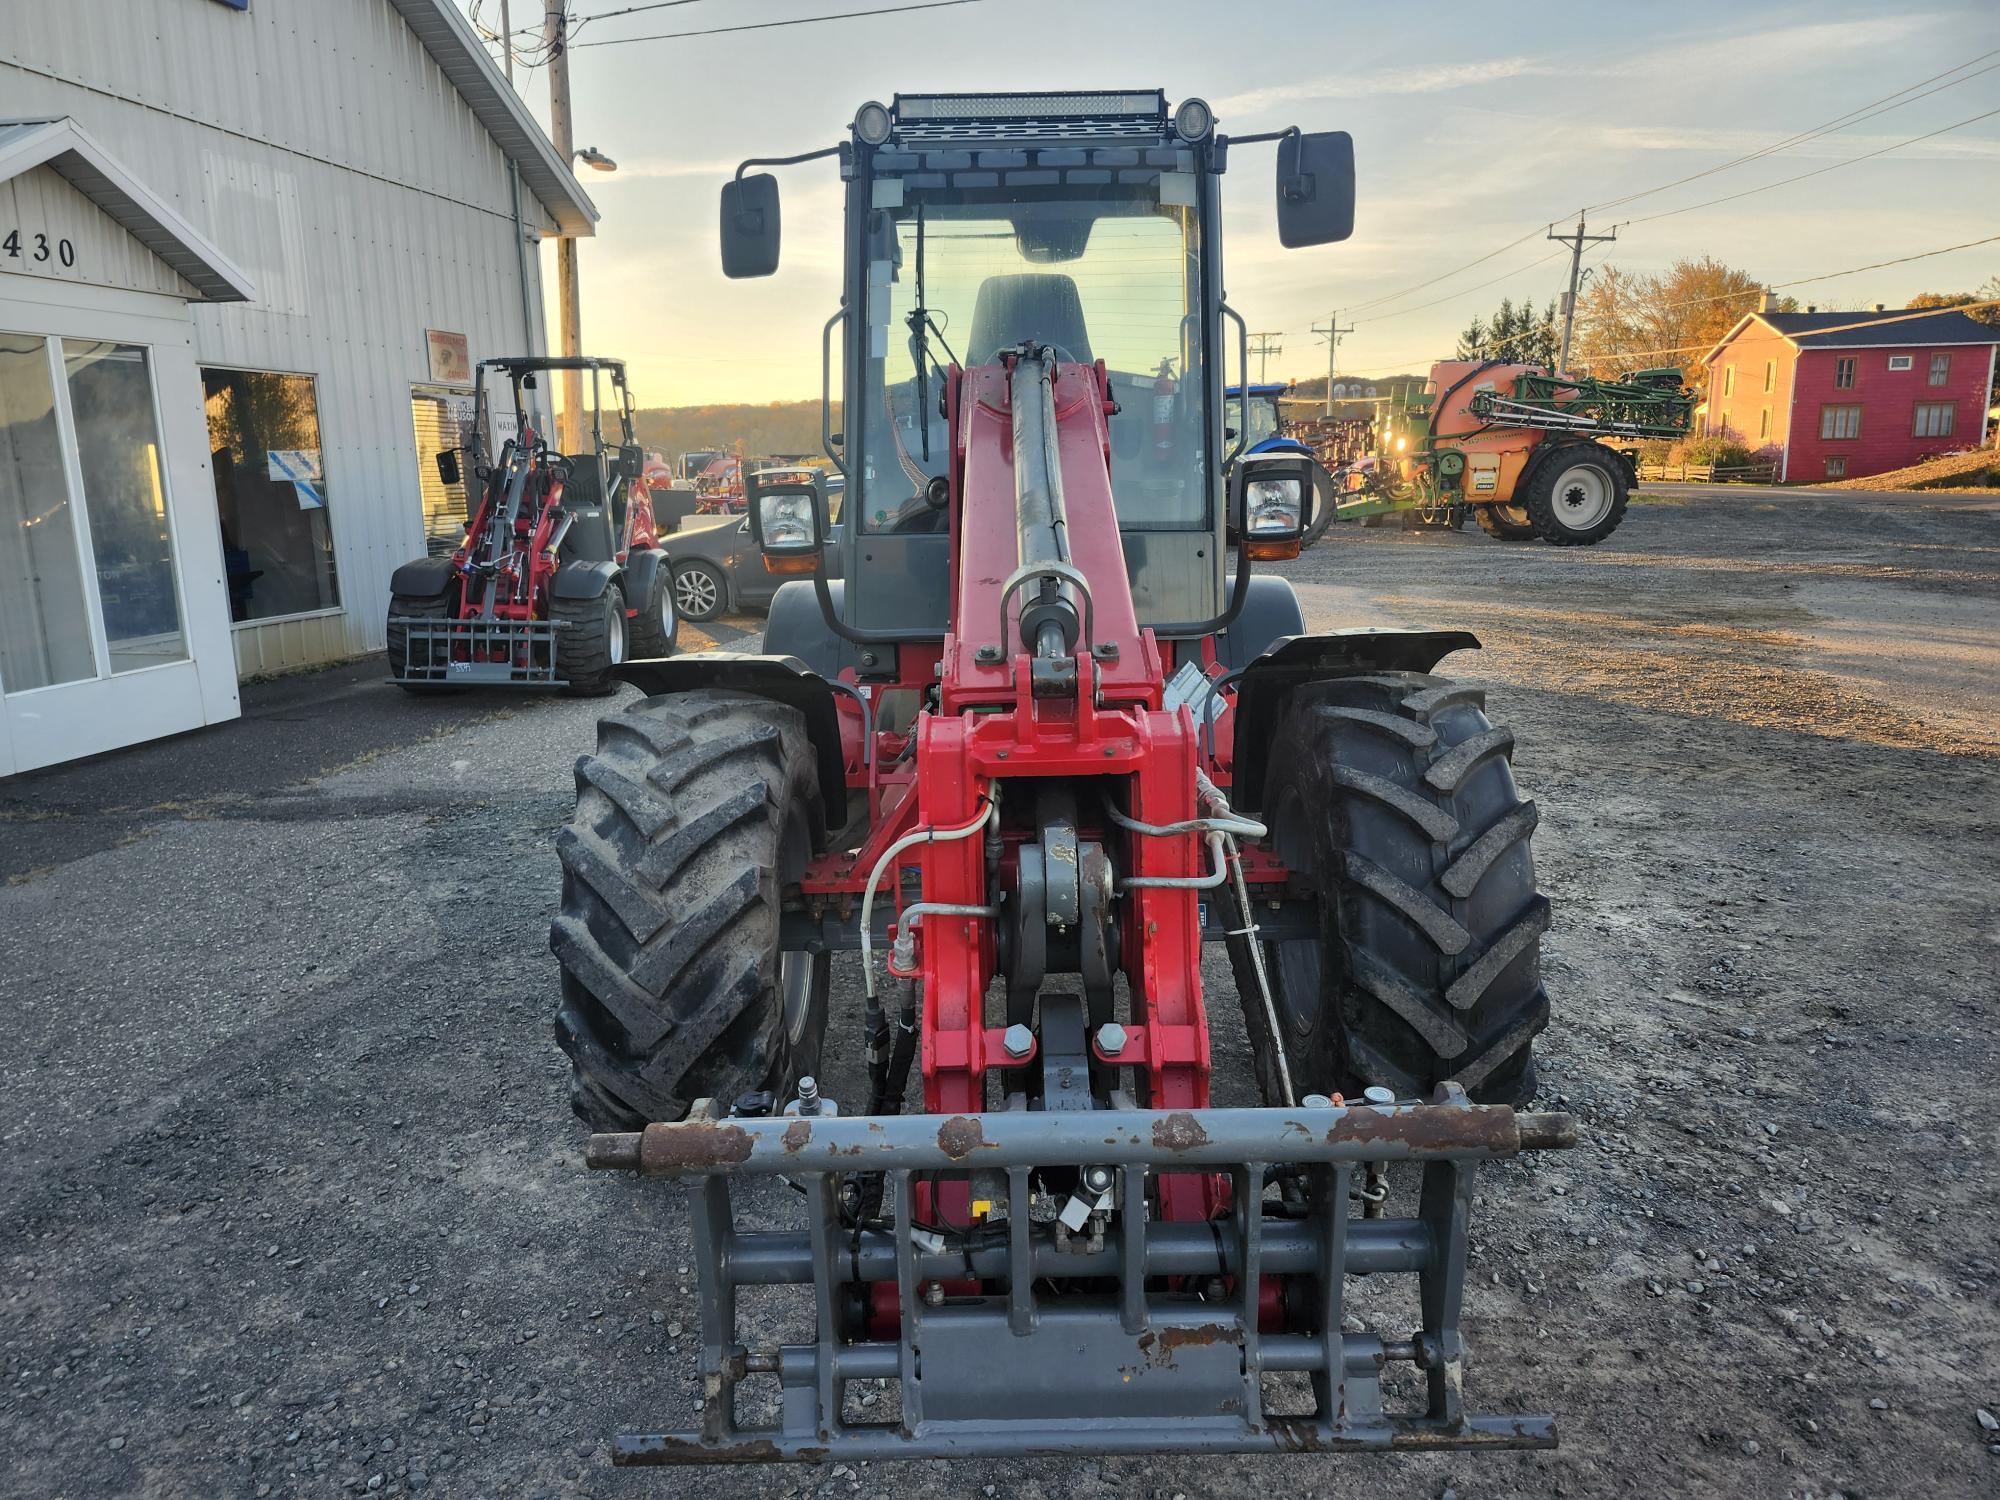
(1045, 743)
(560, 578)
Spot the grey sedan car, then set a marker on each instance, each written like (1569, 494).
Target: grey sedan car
(717, 567)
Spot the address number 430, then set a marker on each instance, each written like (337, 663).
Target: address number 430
(38, 248)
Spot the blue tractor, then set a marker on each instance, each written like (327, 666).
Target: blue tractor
(1261, 427)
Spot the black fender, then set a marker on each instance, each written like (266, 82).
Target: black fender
(423, 578)
(1270, 611)
(642, 571)
(782, 679)
(796, 627)
(580, 579)
(1265, 683)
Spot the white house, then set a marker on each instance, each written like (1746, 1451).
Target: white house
(248, 250)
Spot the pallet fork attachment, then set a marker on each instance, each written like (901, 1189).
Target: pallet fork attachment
(1167, 1350)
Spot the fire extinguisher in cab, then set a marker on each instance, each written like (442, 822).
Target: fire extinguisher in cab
(1163, 413)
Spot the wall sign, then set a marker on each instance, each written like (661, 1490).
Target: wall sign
(451, 359)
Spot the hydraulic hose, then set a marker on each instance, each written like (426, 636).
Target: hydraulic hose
(908, 841)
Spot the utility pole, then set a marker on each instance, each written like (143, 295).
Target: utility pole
(1264, 350)
(1331, 333)
(507, 40)
(1576, 242)
(569, 431)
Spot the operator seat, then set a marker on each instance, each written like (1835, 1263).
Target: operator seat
(1039, 305)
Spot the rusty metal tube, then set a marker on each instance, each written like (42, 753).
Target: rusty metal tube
(1176, 1140)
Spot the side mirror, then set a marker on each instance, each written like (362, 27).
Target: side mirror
(788, 521)
(1315, 188)
(1270, 506)
(447, 463)
(632, 461)
(750, 226)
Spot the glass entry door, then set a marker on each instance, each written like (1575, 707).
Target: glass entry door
(90, 589)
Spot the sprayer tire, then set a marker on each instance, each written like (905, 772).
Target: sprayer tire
(1506, 523)
(1577, 495)
(696, 812)
(1325, 506)
(1394, 797)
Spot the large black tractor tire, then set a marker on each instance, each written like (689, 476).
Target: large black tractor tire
(408, 606)
(1505, 523)
(590, 641)
(1393, 796)
(696, 812)
(655, 625)
(1576, 496)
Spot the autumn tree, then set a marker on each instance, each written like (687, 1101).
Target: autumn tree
(1988, 292)
(1628, 321)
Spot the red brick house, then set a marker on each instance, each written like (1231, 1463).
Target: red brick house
(1844, 394)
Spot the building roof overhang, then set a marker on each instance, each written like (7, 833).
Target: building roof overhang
(68, 150)
(449, 38)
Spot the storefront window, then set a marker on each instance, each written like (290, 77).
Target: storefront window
(443, 420)
(44, 622)
(270, 491)
(118, 458)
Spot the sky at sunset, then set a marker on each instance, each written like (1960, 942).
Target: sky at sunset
(1474, 125)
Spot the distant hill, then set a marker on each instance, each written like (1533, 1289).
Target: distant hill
(777, 427)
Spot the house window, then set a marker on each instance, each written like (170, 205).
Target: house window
(1729, 380)
(1902, 361)
(1843, 374)
(1770, 376)
(1940, 369)
(1836, 468)
(1840, 422)
(1764, 423)
(1934, 418)
(270, 492)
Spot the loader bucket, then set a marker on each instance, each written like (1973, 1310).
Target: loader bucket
(1017, 1338)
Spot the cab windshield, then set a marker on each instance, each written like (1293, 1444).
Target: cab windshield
(1260, 418)
(959, 274)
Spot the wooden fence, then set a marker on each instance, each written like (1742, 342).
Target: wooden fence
(1760, 473)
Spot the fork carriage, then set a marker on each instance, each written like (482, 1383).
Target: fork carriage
(1166, 1347)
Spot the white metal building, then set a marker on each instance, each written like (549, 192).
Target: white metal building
(247, 251)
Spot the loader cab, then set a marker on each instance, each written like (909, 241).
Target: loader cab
(1085, 221)
(603, 470)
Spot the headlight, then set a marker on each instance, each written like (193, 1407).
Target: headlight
(788, 520)
(871, 123)
(1193, 120)
(1401, 444)
(1274, 505)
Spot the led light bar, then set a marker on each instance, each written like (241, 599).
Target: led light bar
(1149, 104)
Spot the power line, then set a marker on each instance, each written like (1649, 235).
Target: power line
(1852, 117)
(1407, 360)
(1404, 312)
(849, 15)
(1875, 322)
(1816, 172)
(1838, 122)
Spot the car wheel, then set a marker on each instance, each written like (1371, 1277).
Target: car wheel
(700, 591)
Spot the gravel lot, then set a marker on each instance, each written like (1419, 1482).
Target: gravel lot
(291, 1193)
